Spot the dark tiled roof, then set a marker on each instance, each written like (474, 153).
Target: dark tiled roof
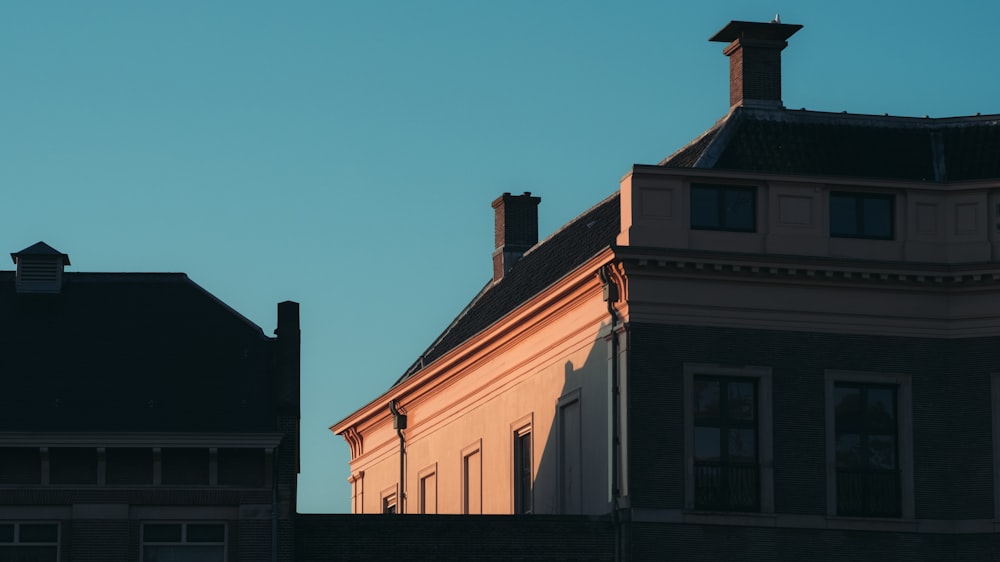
(130, 352)
(814, 143)
(540, 267)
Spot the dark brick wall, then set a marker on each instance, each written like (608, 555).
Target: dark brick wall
(707, 543)
(454, 537)
(951, 410)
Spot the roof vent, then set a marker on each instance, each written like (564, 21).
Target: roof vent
(39, 269)
(516, 230)
(754, 53)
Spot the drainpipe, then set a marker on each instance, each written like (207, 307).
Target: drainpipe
(611, 295)
(399, 424)
(274, 504)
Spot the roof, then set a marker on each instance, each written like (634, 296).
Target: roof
(541, 266)
(130, 352)
(842, 144)
(754, 139)
(40, 249)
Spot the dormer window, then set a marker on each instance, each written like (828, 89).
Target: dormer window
(723, 207)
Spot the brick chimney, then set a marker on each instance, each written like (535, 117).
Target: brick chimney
(516, 230)
(39, 269)
(754, 53)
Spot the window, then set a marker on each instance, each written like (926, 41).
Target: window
(728, 448)
(129, 466)
(861, 215)
(241, 467)
(723, 207)
(869, 445)
(726, 474)
(185, 466)
(472, 479)
(522, 470)
(73, 465)
(427, 479)
(21, 465)
(389, 503)
(189, 542)
(866, 442)
(29, 541)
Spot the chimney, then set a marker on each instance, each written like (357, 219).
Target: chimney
(39, 269)
(516, 230)
(754, 53)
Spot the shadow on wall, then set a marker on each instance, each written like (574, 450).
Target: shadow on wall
(574, 464)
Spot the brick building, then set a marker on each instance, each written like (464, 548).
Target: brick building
(780, 342)
(142, 419)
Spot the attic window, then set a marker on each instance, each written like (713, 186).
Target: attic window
(723, 207)
(861, 215)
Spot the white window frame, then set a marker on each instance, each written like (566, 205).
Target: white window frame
(904, 420)
(765, 439)
(184, 542)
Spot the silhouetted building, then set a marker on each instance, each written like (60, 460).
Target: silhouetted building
(142, 419)
(781, 342)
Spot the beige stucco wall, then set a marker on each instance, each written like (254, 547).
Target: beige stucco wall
(486, 398)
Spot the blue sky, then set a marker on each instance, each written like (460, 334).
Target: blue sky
(345, 154)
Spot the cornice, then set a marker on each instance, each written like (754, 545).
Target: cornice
(779, 268)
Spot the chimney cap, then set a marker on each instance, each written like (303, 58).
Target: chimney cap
(771, 31)
(40, 249)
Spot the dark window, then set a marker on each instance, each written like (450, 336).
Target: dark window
(241, 467)
(726, 473)
(861, 215)
(185, 466)
(204, 542)
(723, 207)
(21, 465)
(29, 541)
(389, 504)
(129, 466)
(73, 465)
(522, 472)
(867, 450)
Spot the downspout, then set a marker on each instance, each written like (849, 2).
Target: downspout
(399, 424)
(274, 504)
(611, 295)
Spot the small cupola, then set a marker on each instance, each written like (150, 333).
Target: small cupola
(39, 269)
(515, 228)
(754, 53)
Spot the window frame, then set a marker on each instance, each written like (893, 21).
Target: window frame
(422, 477)
(904, 436)
(17, 543)
(859, 198)
(521, 429)
(389, 498)
(143, 543)
(722, 190)
(762, 376)
(476, 448)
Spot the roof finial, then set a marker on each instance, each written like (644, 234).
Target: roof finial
(777, 18)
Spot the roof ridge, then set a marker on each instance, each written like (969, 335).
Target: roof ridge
(925, 122)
